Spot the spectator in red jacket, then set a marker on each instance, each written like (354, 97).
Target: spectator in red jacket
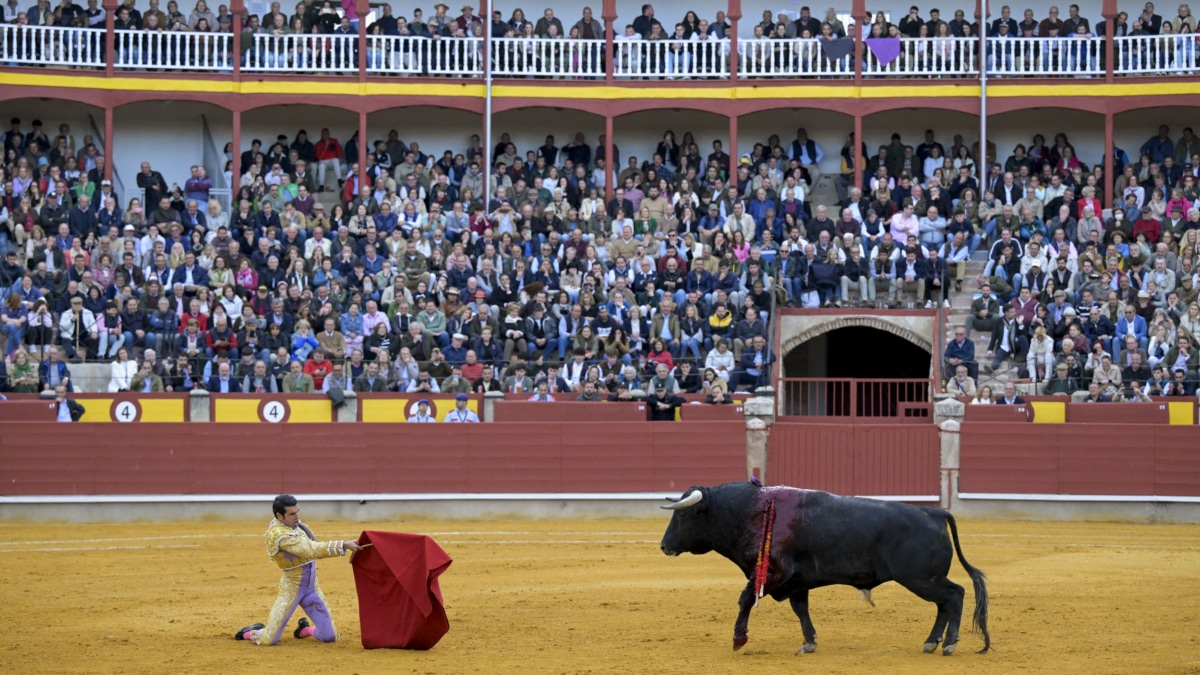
(221, 339)
(318, 367)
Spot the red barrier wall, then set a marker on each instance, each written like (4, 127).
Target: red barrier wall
(69, 459)
(864, 459)
(1080, 459)
(29, 410)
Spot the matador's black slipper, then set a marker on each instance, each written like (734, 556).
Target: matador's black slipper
(239, 635)
(302, 626)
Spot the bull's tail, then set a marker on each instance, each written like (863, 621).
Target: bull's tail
(979, 620)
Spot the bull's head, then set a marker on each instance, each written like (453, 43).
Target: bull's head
(688, 530)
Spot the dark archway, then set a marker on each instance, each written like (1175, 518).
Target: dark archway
(863, 372)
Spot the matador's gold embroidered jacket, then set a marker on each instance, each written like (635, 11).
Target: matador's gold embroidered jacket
(291, 549)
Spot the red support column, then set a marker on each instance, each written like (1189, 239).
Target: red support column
(1109, 12)
(238, 9)
(609, 14)
(859, 14)
(108, 142)
(610, 163)
(236, 179)
(734, 13)
(733, 150)
(981, 21)
(484, 120)
(110, 35)
(362, 8)
(1111, 161)
(856, 150)
(364, 147)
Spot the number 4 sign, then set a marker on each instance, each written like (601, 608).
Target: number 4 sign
(274, 411)
(126, 411)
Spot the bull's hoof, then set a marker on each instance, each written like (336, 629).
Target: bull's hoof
(739, 642)
(948, 650)
(807, 648)
(930, 647)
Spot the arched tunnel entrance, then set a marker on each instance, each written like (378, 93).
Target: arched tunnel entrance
(855, 372)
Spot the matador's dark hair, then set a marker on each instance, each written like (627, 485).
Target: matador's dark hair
(281, 503)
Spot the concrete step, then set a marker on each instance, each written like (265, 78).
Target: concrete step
(90, 377)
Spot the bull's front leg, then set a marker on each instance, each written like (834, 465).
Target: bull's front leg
(745, 604)
(799, 602)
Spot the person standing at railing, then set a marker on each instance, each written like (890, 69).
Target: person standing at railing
(680, 54)
(542, 29)
(41, 14)
(1004, 20)
(1152, 23)
(468, 19)
(1000, 57)
(1080, 51)
(588, 28)
(1050, 21)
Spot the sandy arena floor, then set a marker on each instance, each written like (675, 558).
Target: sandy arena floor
(590, 597)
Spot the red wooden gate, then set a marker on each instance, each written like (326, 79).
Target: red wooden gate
(894, 460)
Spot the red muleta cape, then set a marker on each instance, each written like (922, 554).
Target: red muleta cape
(399, 602)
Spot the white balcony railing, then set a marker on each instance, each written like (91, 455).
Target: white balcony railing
(66, 47)
(51, 46)
(302, 54)
(928, 57)
(161, 50)
(407, 55)
(525, 57)
(790, 58)
(1172, 54)
(671, 59)
(1045, 57)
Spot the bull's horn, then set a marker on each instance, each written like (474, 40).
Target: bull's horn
(691, 499)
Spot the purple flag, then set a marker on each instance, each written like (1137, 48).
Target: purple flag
(884, 49)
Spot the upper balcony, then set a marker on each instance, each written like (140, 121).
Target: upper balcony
(583, 60)
(231, 64)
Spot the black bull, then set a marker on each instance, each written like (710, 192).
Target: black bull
(820, 539)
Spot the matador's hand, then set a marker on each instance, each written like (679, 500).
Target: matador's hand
(352, 545)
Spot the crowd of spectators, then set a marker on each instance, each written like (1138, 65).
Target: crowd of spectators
(414, 272)
(677, 54)
(1076, 297)
(410, 279)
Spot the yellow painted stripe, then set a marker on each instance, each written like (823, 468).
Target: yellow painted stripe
(1049, 412)
(97, 410)
(162, 410)
(236, 410)
(1181, 412)
(306, 411)
(384, 410)
(761, 90)
(331, 86)
(1092, 88)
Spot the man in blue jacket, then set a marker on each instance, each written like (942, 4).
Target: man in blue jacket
(755, 364)
(191, 275)
(960, 352)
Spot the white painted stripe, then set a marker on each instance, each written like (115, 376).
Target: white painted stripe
(336, 535)
(381, 497)
(448, 542)
(384, 497)
(91, 548)
(1017, 497)
(525, 542)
